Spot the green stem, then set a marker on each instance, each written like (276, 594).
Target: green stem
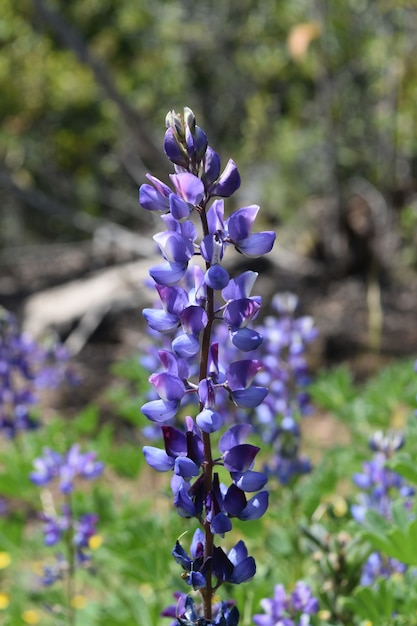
(207, 593)
(70, 548)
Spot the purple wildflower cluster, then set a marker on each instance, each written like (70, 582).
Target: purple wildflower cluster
(74, 531)
(194, 367)
(285, 609)
(26, 366)
(381, 488)
(286, 375)
(187, 613)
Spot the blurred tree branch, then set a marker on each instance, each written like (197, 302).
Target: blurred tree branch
(72, 39)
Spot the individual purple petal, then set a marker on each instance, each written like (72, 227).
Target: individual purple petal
(236, 435)
(240, 223)
(151, 199)
(173, 299)
(197, 544)
(168, 273)
(212, 249)
(228, 182)
(193, 319)
(249, 398)
(186, 468)
(184, 504)
(209, 421)
(215, 217)
(195, 447)
(173, 150)
(238, 313)
(216, 277)
(161, 321)
(181, 556)
(200, 142)
(240, 458)
(179, 208)
(241, 373)
(246, 339)
(197, 580)
(256, 244)
(175, 441)
(255, 507)
(207, 393)
(185, 346)
(211, 166)
(175, 247)
(158, 459)
(160, 411)
(250, 480)
(234, 501)
(240, 286)
(168, 386)
(244, 571)
(163, 189)
(189, 187)
(220, 524)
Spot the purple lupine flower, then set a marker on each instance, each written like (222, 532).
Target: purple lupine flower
(82, 529)
(25, 367)
(381, 487)
(379, 566)
(65, 467)
(285, 609)
(193, 301)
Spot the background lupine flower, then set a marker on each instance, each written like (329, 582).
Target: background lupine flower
(65, 467)
(73, 531)
(26, 366)
(193, 368)
(381, 488)
(288, 609)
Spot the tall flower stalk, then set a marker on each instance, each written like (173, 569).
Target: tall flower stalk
(194, 297)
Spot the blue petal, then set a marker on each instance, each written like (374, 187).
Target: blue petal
(158, 459)
(184, 505)
(160, 411)
(249, 481)
(185, 346)
(228, 182)
(168, 273)
(257, 244)
(240, 457)
(161, 321)
(209, 421)
(249, 398)
(246, 339)
(255, 507)
(179, 208)
(244, 571)
(217, 277)
(151, 199)
(186, 468)
(220, 524)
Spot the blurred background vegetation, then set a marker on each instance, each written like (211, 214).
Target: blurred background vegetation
(315, 100)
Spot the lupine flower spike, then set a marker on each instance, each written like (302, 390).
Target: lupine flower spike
(197, 294)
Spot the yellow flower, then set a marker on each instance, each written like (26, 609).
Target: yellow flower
(324, 614)
(4, 600)
(95, 542)
(31, 617)
(5, 560)
(78, 601)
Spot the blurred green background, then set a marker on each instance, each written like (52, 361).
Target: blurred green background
(304, 94)
(316, 101)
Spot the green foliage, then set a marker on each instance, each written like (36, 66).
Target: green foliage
(308, 532)
(81, 101)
